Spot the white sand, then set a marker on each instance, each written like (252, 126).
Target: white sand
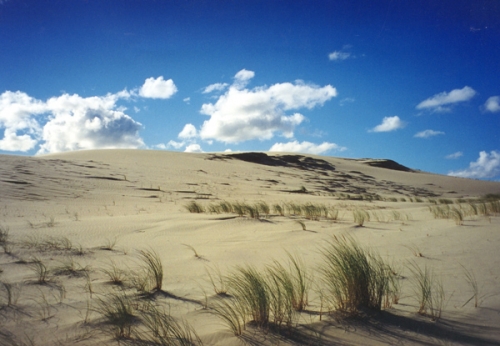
(137, 199)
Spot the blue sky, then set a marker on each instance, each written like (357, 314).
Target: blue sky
(414, 81)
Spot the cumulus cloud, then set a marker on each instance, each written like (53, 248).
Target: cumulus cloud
(389, 124)
(17, 117)
(189, 131)
(486, 166)
(454, 156)
(93, 122)
(306, 147)
(437, 102)
(492, 104)
(71, 122)
(215, 87)
(242, 114)
(428, 133)
(158, 88)
(193, 148)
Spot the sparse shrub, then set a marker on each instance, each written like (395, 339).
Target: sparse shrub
(354, 277)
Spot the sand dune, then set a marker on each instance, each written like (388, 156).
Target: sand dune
(84, 216)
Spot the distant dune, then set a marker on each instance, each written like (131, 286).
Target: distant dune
(83, 235)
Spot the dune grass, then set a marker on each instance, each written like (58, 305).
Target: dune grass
(153, 269)
(217, 280)
(159, 328)
(355, 278)
(117, 276)
(12, 292)
(119, 313)
(269, 297)
(428, 291)
(40, 270)
(471, 280)
(194, 207)
(360, 216)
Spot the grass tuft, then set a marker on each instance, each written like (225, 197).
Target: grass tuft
(153, 269)
(354, 277)
(119, 312)
(428, 291)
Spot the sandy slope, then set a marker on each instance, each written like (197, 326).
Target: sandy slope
(131, 200)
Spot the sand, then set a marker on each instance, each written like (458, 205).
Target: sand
(97, 209)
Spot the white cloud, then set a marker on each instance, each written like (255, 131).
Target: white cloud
(454, 156)
(428, 133)
(160, 146)
(492, 104)
(245, 114)
(389, 124)
(215, 87)
(436, 102)
(306, 147)
(486, 166)
(17, 118)
(189, 131)
(158, 88)
(14, 142)
(71, 122)
(242, 78)
(93, 122)
(187, 99)
(193, 148)
(338, 55)
(176, 145)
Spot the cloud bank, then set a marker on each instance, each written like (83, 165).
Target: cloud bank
(242, 114)
(389, 124)
(437, 102)
(306, 147)
(71, 122)
(486, 166)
